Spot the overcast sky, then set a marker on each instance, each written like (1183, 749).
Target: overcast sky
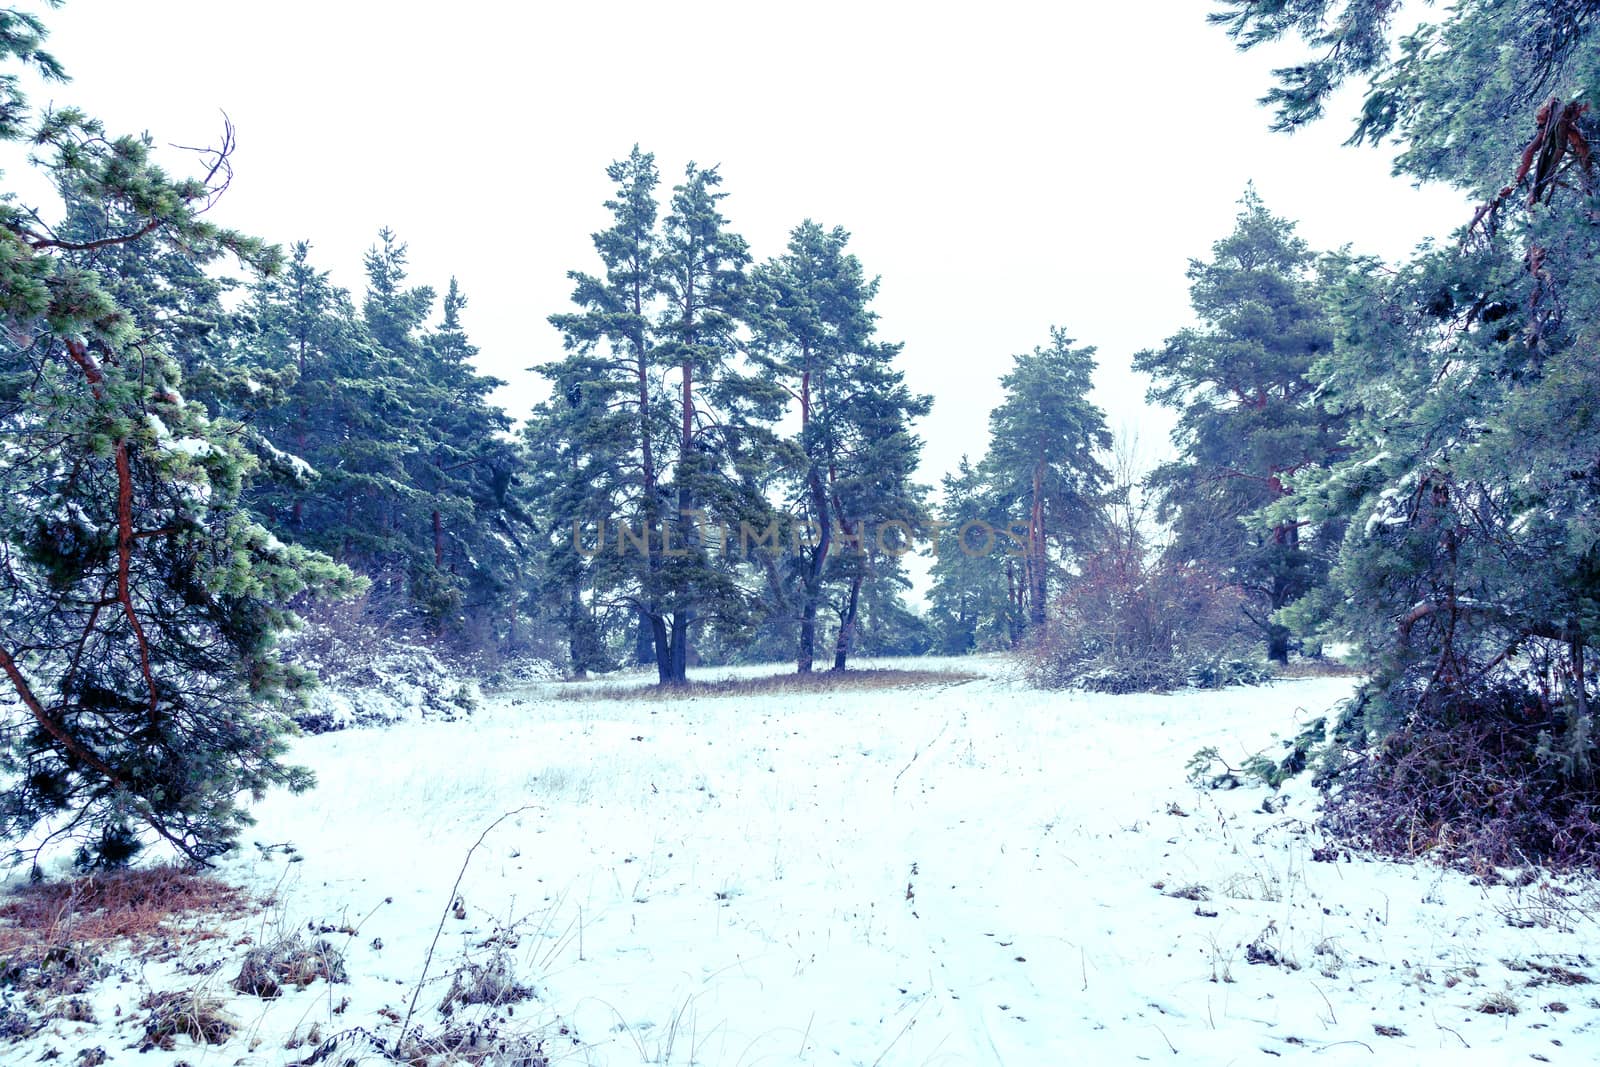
(1002, 169)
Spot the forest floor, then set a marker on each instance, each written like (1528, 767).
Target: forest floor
(954, 870)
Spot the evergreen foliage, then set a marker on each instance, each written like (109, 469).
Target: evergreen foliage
(1042, 466)
(855, 454)
(974, 603)
(1250, 422)
(139, 602)
(1469, 480)
(384, 447)
(667, 477)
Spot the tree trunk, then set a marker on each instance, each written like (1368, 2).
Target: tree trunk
(652, 643)
(644, 646)
(847, 624)
(812, 584)
(1036, 553)
(678, 665)
(663, 647)
(808, 634)
(1278, 643)
(577, 635)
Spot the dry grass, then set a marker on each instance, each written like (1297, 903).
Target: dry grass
(97, 909)
(1317, 668)
(187, 1013)
(267, 969)
(816, 682)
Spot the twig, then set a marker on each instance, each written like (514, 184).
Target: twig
(1459, 1038)
(1333, 1019)
(922, 1004)
(919, 752)
(445, 914)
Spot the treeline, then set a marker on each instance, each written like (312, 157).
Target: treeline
(1416, 446)
(1401, 456)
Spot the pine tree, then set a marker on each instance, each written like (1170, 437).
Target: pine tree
(1250, 421)
(610, 413)
(1042, 466)
(855, 454)
(701, 271)
(138, 601)
(1468, 571)
(1431, 90)
(680, 467)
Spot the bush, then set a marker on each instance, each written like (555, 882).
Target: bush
(1137, 620)
(1491, 785)
(1051, 669)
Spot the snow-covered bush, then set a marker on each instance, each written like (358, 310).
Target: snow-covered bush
(372, 674)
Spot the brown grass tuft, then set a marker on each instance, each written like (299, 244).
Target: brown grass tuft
(1317, 668)
(816, 682)
(100, 908)
(188, 1013)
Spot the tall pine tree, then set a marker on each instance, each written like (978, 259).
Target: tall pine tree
(855, 453)
(1250, 421)
(1042, 465)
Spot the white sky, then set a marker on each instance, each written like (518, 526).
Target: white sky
(1002, 170)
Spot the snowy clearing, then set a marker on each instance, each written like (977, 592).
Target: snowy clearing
(977, 873)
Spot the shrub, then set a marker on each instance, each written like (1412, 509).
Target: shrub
(1137, 620)
(1492, 784)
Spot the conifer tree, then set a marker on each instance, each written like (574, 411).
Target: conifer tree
(855, 454)
(388, 454)
(1249, 421)
(138, 602)
(676, 488)
(610, 410)
(1042, 465)
(701, 271)
(1468, 569)
(975, 596)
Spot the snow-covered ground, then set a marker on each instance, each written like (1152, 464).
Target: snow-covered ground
(974, 873)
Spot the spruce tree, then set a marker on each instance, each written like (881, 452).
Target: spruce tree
(388, 453)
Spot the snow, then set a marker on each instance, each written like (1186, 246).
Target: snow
(297, 466)
(959, 874)
(195, 447)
